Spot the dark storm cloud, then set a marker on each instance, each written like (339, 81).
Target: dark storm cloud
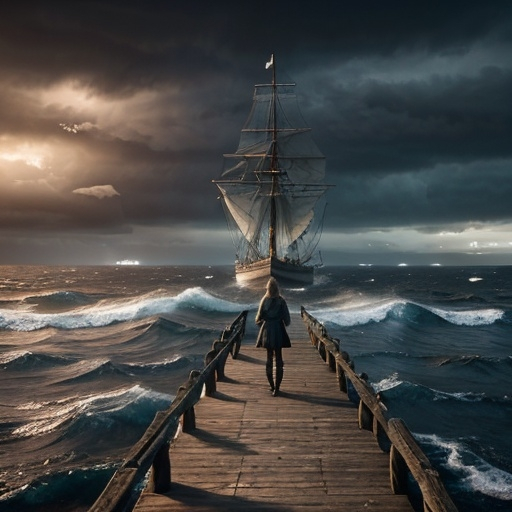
(409, 101)
(119, 46)
(417, 123)
(442, 146)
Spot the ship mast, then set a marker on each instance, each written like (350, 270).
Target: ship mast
(274, 171)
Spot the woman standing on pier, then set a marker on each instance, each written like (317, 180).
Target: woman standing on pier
(273, 316)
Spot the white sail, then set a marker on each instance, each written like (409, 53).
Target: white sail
(275, 177)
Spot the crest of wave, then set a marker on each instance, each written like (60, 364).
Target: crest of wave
(475, 473)
(470, 317)
(361, 314)
(378, 311)
(107, 312)
(49, 416)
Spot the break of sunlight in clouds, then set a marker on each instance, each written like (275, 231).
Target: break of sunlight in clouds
(31, 154)
(99, 191)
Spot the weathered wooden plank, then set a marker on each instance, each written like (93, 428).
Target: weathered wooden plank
(212, 502)
(300, 451)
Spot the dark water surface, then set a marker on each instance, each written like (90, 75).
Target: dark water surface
(89, 354)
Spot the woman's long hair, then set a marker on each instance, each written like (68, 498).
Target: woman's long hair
(272, 288)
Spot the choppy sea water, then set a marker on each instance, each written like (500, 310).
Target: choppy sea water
(89, 354)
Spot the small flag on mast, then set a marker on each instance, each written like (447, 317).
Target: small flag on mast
(270, 63)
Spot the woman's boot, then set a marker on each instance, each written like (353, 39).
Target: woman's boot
(279, 379)
(270, 376)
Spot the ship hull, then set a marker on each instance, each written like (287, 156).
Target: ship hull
(284, 272)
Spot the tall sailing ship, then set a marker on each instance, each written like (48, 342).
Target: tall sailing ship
(270, 188)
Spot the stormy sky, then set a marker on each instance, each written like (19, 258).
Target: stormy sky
(114, 116)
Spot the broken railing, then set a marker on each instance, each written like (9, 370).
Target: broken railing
(152, 450)
(392, 435)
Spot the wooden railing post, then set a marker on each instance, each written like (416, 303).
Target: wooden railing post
(161, 470)
(331, 360)
(340, 376)
(322, 350)
(221, 362)
(235, 348)
(398, 472)
(240, 324)
(312, 337)
(189, 420)
(365, 417)
(380, 434)
(189, 415)
(210, 382)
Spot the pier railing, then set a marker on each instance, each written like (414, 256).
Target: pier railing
(392, 435)
(152, 450)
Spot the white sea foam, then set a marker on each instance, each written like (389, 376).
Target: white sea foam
(364, 313)
(107, 312)
(360, 314)
(387, 383)
(476, 474)
(460, 395)
(160, 364)
(471, 317)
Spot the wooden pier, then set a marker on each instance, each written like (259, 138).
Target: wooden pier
(300, 451)
(324, 443)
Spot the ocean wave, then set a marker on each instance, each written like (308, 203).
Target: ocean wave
(404, 392)
(161, 324)
(176, 363)
(474, 473)
(488, 364)
(162, 327)
(134, 405)
(472, 317)
(406, 311)
(24, 359)
(84, 371)
(67, 299)
(107, 312)
(58, 487)
(360, 314)
(459, 297)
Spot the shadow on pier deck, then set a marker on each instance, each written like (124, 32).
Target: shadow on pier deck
(300, 451)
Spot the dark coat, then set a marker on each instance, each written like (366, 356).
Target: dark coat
(273, 316)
